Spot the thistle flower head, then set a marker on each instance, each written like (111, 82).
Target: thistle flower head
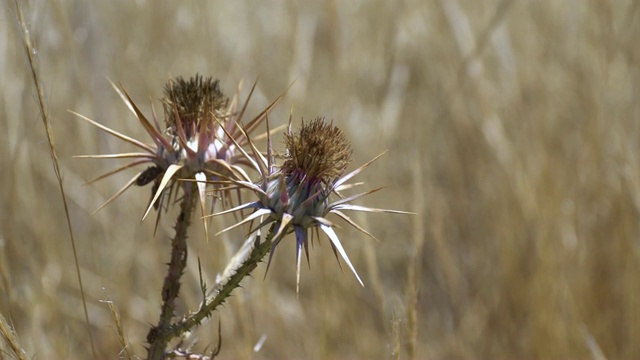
(196, 111)
(315, 156)
(200, 142)
(192, 101)
(298, 196)
(318, 151)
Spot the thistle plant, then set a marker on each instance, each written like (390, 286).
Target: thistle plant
(205, 146)
(297, 196)
(196, 148)
(197, 142)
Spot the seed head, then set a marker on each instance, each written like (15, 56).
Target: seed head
(319, 151)
(192, 101)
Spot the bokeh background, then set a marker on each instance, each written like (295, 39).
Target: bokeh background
(512, 129)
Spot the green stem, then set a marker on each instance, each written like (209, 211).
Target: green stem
(256, 256)
(160, 335)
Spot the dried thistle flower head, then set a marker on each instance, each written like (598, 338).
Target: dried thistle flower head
(297, 196)
(319, 151)
(192, 101)
(199, 144)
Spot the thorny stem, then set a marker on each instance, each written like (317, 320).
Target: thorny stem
(257, 254)
(160, 335)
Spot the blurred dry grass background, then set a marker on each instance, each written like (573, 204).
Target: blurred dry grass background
(512, 129)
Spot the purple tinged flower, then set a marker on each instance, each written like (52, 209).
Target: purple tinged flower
(299, 195)
(199, 143)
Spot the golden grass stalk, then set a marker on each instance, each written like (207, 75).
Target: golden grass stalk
(11, 340)
(28, 47)
(396, 335)
(413, 267)
(119, 330)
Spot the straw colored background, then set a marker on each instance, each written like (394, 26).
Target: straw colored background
(512, 128)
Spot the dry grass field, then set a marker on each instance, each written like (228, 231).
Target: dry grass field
(512, 129)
